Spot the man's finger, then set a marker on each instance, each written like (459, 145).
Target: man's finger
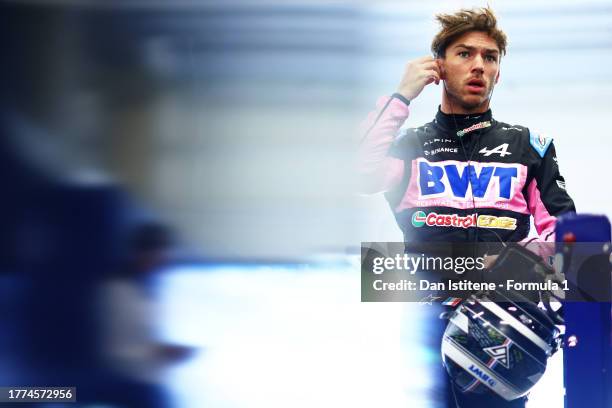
(432, 74)
(425, 58)
(430, 65)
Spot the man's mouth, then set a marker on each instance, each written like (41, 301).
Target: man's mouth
(476, 85)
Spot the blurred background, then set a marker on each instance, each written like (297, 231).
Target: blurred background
(179, 213)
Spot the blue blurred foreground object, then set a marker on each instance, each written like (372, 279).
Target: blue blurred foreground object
(588, 336)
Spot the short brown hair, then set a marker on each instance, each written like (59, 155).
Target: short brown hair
(464, 21)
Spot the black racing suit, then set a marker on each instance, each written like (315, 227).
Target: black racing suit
(463, 178)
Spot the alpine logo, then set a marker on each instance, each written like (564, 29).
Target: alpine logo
(482, 376)
(500, 354)
(437, 141)
(502, 150)
(453, 179)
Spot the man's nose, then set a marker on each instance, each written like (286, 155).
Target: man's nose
(478, 64)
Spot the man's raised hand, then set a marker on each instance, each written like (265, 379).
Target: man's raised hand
(418, 74)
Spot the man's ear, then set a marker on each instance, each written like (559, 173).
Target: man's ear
(442, 68)
(497, 76)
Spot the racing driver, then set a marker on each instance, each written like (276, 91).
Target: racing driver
(464, 177)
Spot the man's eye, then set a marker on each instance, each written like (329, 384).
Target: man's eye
(491, 58)
(464, 54)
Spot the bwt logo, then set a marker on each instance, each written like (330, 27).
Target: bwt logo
(482, 376)
(436, 180)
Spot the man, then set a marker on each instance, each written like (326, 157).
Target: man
(464, 177)
(464, 162)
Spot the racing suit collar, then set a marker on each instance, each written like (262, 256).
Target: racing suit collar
(464, 124)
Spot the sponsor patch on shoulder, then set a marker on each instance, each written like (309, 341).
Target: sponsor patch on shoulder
(539, 142)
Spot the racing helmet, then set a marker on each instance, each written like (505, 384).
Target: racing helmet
(500, 347)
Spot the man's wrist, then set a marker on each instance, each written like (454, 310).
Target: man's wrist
(401, 98)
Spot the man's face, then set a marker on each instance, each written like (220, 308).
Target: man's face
(471, 69)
